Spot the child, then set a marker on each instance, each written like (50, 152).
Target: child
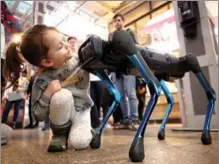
(69, 107)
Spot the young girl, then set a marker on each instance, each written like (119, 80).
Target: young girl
(68, 107)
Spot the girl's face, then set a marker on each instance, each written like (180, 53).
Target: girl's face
(59, 51)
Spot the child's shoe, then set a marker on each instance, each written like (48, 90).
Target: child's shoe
(59, 141)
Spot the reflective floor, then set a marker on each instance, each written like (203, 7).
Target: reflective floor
(29, 147)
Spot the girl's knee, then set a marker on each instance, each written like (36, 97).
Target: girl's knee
(61, 107)
(62, 97)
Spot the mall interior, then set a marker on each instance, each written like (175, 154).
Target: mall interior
(171, 29)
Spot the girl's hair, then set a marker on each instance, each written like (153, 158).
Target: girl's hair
(31, 47)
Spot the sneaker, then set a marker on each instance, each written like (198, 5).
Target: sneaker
(139, 122)
(108, 126)
(36, 125)
(29, 126)
(121, 126)
(14, 125)
(116, 125)
(45, 128)
(133, 125)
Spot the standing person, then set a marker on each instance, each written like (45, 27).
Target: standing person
(126, 84)
(73, 42)
(15, 96)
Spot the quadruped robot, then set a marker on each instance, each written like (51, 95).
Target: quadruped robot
(121, 54)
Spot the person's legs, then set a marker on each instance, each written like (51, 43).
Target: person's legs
(17, 105)
(46, 125)
(107, 101)
(95, 120)
(99, 88)
(141, 102)
(61, 111)
(30, 125)
(117, 115)
(130, 87)
(7, 109)
(119, 83)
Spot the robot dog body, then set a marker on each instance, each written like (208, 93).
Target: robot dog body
(121, 54)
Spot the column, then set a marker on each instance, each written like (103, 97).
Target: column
(192, 99)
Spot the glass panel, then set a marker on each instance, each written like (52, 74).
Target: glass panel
(9, 4)
(23, 7)
(29, 2)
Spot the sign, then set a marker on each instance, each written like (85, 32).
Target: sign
(163, 33)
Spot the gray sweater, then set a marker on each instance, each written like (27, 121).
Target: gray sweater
(80, 90)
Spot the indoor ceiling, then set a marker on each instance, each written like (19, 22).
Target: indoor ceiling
(102, 11)
(106, 9)
(93, 14)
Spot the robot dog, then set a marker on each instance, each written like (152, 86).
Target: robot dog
(121, 53)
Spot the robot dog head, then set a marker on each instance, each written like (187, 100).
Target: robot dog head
(122, 41)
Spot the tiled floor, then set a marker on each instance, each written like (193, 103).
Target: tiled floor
(29, 147)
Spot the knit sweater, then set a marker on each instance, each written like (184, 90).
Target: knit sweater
(79, 90)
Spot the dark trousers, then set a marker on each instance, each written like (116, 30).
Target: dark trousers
(8, 105)
(31, 114)
(96, 92)
(107, 102)
(141, 102)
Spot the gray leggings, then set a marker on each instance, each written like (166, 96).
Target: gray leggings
(62, 110)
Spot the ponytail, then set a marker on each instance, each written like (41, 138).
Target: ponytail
(13, 65)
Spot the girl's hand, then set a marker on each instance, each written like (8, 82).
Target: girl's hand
(53, 87)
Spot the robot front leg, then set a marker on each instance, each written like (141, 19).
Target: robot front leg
(136, 152)
(96, 141)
